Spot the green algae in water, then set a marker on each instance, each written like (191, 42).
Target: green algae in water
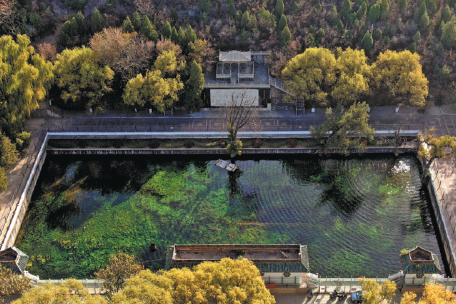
(355, 215)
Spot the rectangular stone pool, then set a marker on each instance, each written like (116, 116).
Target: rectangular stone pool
(355, 214)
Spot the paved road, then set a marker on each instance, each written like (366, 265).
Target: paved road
(382, 118)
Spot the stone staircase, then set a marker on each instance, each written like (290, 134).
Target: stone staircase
(279, 84)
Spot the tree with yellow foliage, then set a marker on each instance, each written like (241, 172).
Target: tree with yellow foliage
(376, 293)
(311, 74)
(432, 147)
(81, 77)
(168, 64)
(401, 74)
(433, 294)
(25, 78)
(12, 283)
(227, 281)
(354, 74)
(68, 292)
(155, 89)
(120, 268)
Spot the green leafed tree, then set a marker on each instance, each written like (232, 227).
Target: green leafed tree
(424, 22)
(431, 7)
(82, 24)
(245, 20)
(174, 16)
(439, 49)
(374, 12)
(334, 15)
(3, 183)
(283, 22)
(231, 8)
(384, 9)
(136, 21)
(181, 38)
(97, 21)
(204, 5)
(148, 30)
(166, 30)
(402, 4)
(279, 8)
(308, 74)
(127, 26)
(417, 37)
(367, 42)
(174, 36)
(344, 129)
(8, 153)
(285, 37)
(193, 88)
(346, 8)
(449, 33)
(340, 26)
(190, 35)
(81, 78)
(352, 18)
(294, 7)
(25, 79)
(421, 10)
(377, 34)
(446, 13)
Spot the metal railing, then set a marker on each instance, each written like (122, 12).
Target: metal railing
(209, 85)
(213, 127)
(279, 84)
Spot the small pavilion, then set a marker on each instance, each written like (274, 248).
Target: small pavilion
(419, 262)
(235, 65)
(14, 259)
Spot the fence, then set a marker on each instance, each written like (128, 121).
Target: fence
(386, 130)
(441, 204)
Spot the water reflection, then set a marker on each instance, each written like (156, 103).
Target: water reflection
(354, 214)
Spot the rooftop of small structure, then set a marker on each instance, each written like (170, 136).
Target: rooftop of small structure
(268, 258)
(420, 261)
(14, 259)
(420, 255)
(235, 56)
(261, 76)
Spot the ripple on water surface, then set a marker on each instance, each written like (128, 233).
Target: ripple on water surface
(355, 215)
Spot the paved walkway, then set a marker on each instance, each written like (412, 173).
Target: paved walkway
(322, 299)
(443, 172)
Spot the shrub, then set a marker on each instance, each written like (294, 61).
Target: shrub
(154, 144)
(291, 143)
(188, 143)
(257, 143)
(82, 143)
(117, 143)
